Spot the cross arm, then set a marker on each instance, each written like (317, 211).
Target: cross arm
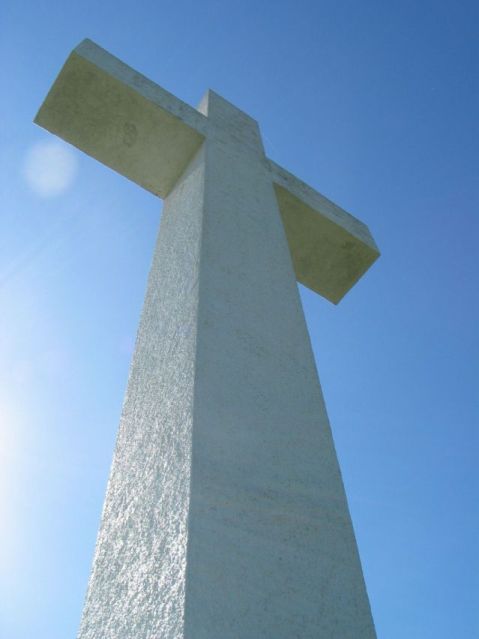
(330, 248)
(119, 117)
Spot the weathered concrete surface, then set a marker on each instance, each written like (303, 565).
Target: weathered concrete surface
(271, 549)
(225, 515)
(132, 125)
(137, 584)
(330, 248)
(122, 119)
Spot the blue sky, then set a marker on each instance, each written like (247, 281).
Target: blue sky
(374, 104)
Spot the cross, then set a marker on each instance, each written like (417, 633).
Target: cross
(225, 515)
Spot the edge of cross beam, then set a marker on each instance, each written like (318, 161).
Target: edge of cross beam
(322, 204)
(112, 65)
(330, 249)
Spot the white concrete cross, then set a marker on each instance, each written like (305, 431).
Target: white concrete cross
(225, 515)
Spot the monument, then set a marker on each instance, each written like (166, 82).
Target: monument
(225, 515)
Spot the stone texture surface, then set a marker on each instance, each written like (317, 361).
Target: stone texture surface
(225, 515)
(137, 583)
(271, 549)
(122, 119)
(330, 248)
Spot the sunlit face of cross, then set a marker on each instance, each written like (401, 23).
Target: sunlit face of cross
(132, 125)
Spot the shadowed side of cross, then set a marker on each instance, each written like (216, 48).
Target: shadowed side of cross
(135, 127)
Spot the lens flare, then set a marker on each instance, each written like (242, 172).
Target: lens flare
(50, 168)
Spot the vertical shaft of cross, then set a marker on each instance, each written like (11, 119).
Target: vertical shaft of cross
(271, 547)
(225, 516)
(136, 588)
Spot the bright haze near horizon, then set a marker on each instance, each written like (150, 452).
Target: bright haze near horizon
(374, 104)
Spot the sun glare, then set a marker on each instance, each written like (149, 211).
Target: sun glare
(10, 436)
(50, 168)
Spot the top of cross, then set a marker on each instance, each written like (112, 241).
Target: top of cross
(118, 116)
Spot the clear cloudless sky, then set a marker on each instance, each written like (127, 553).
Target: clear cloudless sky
(373, 103)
